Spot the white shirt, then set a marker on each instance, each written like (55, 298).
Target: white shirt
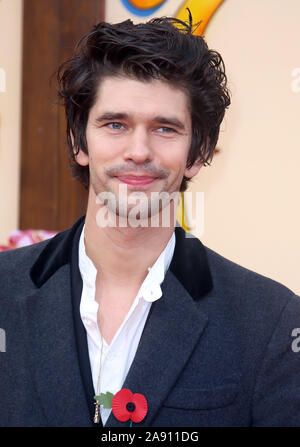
(119, 354)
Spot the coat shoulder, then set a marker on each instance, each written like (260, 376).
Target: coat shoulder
(20, 258)
(15, 268)
(243, 285)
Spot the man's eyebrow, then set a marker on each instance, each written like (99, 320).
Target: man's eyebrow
(110, 116)
(170, 121)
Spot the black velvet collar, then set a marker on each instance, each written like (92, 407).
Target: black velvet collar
(189, 263)
(57, 253)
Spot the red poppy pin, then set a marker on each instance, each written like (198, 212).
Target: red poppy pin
(126, 405)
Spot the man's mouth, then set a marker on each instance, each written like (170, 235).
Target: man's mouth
(136, 180)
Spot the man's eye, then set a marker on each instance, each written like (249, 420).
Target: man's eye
(115, 126)
(165, 129)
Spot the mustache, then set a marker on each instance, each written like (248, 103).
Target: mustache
(144, 169)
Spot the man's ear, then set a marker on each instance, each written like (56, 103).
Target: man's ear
(81, 157)
(194, 169)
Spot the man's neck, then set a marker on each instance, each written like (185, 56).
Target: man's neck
(123, 254)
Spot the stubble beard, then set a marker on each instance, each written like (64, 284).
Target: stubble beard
(137, 208)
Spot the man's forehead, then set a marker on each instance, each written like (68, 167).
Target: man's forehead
(126, 95)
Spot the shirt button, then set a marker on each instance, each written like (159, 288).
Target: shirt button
(90, 323)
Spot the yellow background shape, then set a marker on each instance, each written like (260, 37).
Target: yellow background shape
(202, 11)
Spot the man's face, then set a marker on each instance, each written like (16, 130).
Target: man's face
(138, 134)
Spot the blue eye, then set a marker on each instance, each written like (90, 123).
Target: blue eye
(165, 129)
(115, 126)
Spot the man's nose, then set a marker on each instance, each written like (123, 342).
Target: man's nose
(138, 147)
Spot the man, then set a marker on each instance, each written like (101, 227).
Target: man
(118, 302)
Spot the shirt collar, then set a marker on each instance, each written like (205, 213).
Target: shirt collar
(86, 266)
(150, 289)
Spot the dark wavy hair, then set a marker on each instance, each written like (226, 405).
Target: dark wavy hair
(162, 48)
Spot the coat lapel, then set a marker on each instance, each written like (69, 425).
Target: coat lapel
(173, 328)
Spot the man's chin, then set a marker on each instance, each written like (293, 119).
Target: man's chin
(136, 208)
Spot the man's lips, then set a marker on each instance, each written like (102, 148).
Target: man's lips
(136, 179)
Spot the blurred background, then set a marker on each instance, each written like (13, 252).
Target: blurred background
(251, 190)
